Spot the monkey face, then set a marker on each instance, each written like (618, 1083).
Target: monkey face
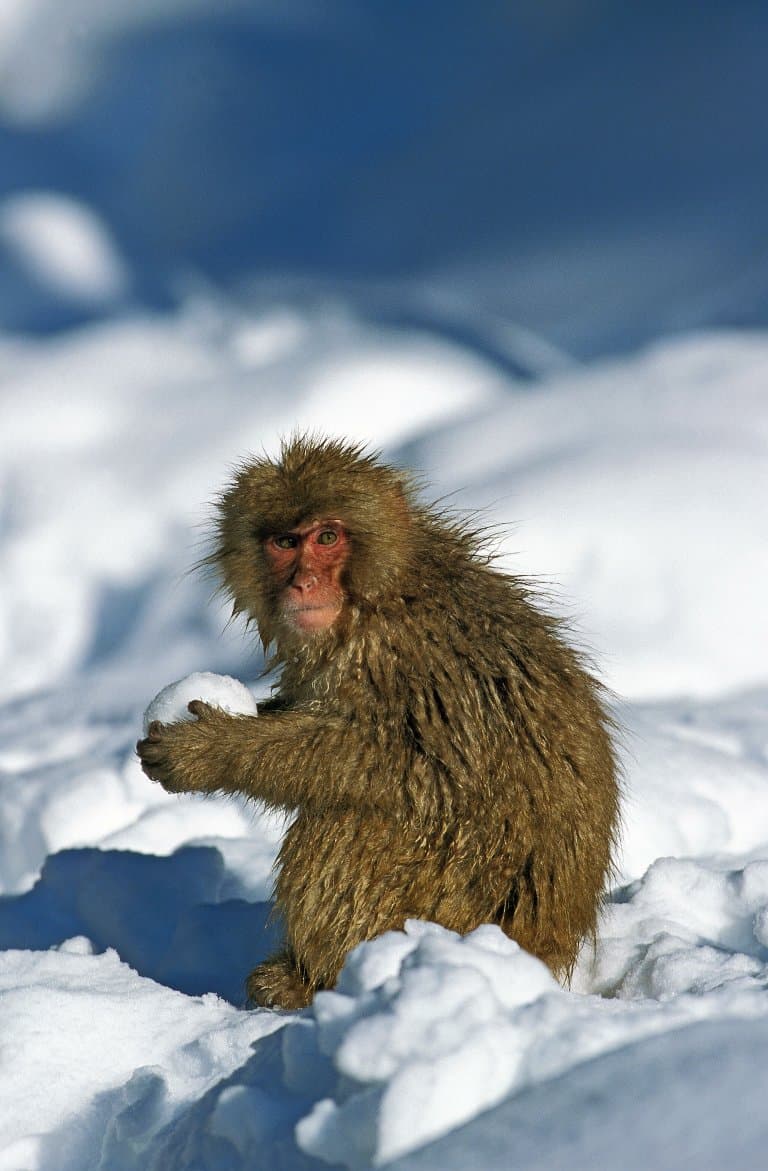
(306, 564)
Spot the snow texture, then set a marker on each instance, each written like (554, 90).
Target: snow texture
(130, 918)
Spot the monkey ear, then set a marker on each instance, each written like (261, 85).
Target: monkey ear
(401, 510)
(382, 531)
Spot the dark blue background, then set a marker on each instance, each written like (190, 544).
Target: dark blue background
(595, 172)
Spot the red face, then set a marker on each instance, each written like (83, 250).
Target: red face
(306, 563)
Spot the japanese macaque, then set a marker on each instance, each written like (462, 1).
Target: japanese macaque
(446, 752)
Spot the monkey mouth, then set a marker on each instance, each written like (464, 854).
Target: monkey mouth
(311, 609)
(317, 617)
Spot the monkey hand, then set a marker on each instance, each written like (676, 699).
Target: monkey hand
(185, 757)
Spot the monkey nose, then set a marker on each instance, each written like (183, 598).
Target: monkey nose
(304, 581)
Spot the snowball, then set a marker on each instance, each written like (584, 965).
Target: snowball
(170, 705)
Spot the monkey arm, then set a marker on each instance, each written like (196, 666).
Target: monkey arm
(286, 759)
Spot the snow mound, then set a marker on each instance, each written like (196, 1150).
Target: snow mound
(424, 1049)
(130, 1047)
(686, 927)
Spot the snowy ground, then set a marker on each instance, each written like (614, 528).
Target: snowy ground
(129, 918)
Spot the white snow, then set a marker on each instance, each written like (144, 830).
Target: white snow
(129, 918)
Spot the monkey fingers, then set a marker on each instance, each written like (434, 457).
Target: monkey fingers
(167, 756)
(200, 709)
(186, 756)
(154, 760)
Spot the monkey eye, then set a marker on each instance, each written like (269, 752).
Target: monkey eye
(327, 537)
(286, 541)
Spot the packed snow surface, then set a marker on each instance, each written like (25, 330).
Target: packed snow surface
(129, 918)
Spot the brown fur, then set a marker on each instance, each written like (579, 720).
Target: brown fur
(447, 752)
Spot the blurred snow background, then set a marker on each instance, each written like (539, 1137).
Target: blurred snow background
(516, 247)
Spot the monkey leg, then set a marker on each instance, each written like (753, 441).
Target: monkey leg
(351, 875)
(278, 983)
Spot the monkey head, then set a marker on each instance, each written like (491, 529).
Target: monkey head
(303, 539)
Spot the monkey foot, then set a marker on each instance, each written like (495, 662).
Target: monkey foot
(278, 983)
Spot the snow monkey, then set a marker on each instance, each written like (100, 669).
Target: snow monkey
(447, 754)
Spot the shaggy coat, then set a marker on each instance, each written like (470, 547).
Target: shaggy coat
(447, 753)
